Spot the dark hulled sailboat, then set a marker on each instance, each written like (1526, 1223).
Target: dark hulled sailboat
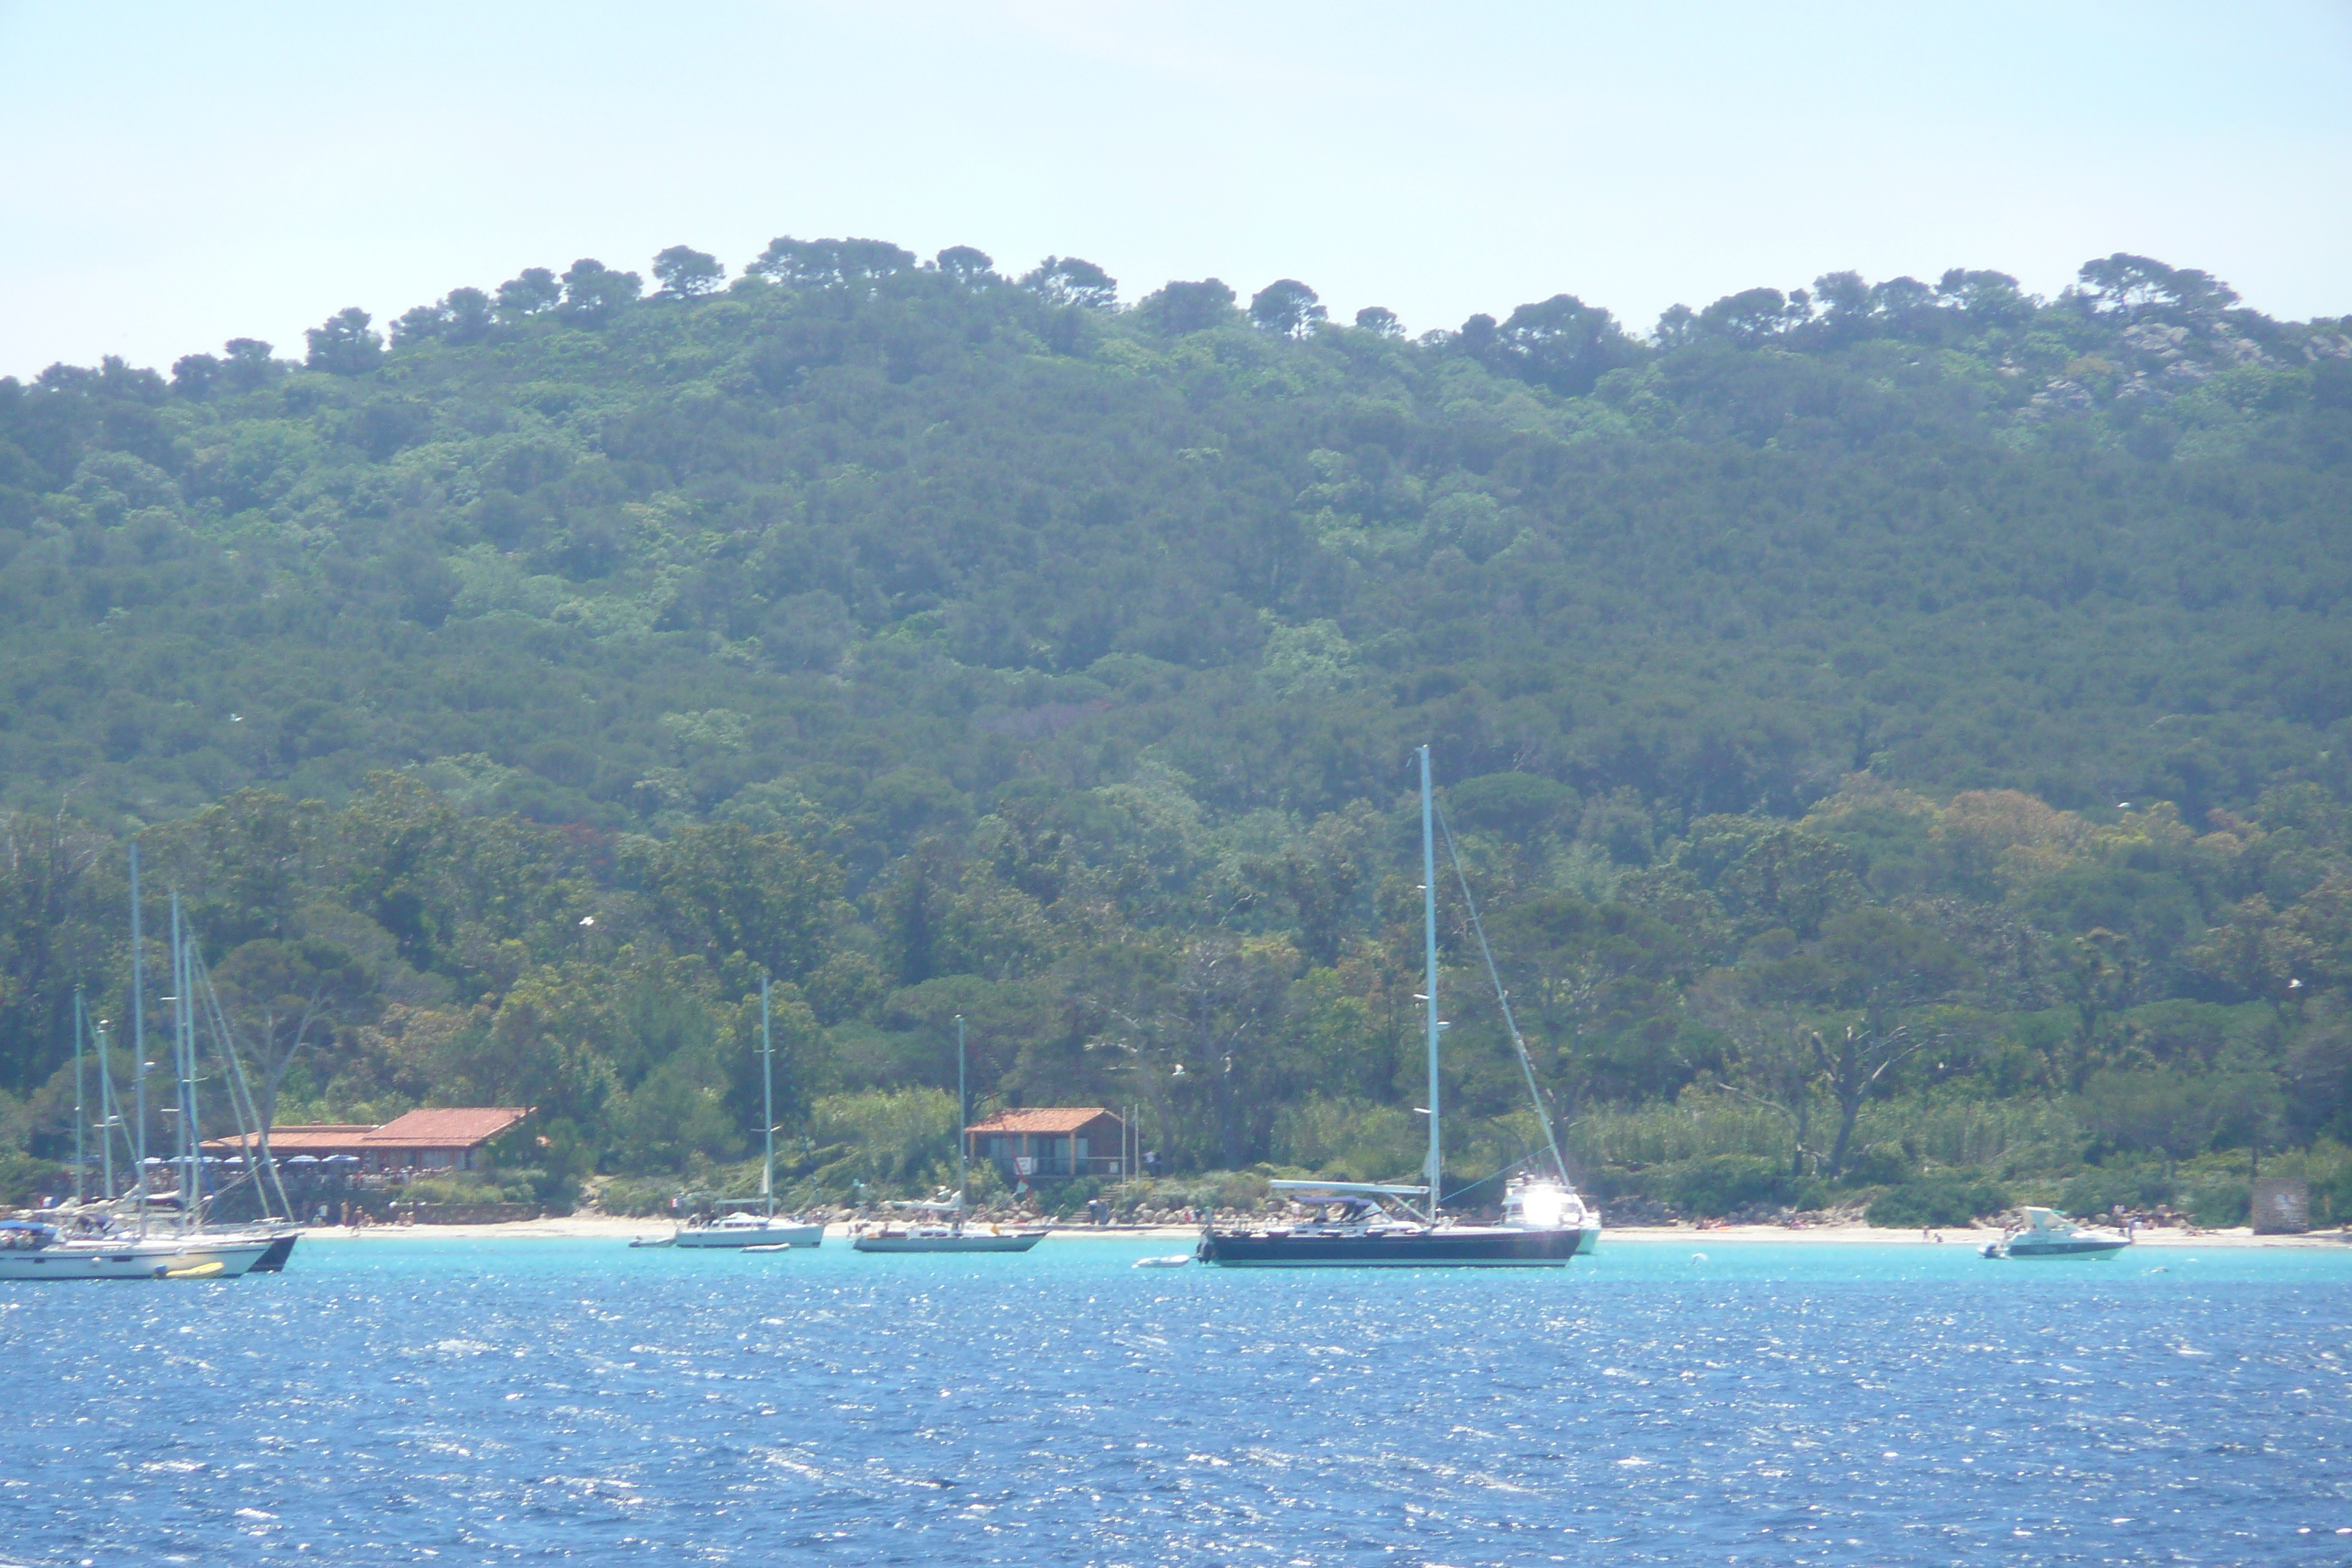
(1366, 1224)
(1363, 1234)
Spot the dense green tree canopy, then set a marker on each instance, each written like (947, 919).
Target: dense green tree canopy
(1842, 692)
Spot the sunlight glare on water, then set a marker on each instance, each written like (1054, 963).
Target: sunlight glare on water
(399, 1400)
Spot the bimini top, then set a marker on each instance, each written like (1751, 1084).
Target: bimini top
(1351, 1189)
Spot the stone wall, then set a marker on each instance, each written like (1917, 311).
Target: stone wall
(2280, 1207)
(464, 1213)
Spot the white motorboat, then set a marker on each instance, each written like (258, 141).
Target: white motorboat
(2046, 1233)
(767, 1229)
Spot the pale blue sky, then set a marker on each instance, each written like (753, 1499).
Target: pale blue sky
(179, 175)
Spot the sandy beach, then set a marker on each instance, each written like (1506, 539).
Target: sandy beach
(613, 1228)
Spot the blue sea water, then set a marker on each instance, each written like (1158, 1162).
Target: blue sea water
(413, 1400)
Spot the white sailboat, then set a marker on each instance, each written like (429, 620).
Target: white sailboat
(765, 1231)
(35, 1250)
(939, 1225)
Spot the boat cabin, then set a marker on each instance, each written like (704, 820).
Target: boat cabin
(1053, 1142)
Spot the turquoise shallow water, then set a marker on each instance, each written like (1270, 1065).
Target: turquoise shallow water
(416, 1400)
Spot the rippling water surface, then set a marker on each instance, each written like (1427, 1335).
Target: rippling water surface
(410, 1400)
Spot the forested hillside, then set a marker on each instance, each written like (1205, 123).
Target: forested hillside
(1898, 732)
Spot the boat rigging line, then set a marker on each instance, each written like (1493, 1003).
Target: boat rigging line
(1527, 1063)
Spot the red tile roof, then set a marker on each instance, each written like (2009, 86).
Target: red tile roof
(313, 1138)
(1047, 1119)
(456, 1127)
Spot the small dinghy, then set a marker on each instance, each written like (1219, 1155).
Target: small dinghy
(768, 1247)
(655, 1241)
(1170, 1260)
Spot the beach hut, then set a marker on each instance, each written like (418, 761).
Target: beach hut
(1051, 1143)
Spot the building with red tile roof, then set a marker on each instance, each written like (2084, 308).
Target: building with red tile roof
(450, 1138)
(1051, 1142)
(452, 1126)
(318, 1138)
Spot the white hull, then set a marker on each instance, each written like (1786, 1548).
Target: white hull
(1017, 1241)
(2085, 1249)
(157, 1258)
(734, 1236)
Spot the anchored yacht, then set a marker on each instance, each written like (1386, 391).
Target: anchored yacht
(1374, 1224)
(33, 1251)
(2046, 1233)
(939, 1224)
(765, 1231)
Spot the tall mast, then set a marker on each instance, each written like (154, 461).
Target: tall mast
(106, 1117)
(138, 1045)
(183, 1012)
(963, 1118)
(179, 1001)
(767, 1101)
(1429, 940)
(82, 1164)
(262, 1174)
